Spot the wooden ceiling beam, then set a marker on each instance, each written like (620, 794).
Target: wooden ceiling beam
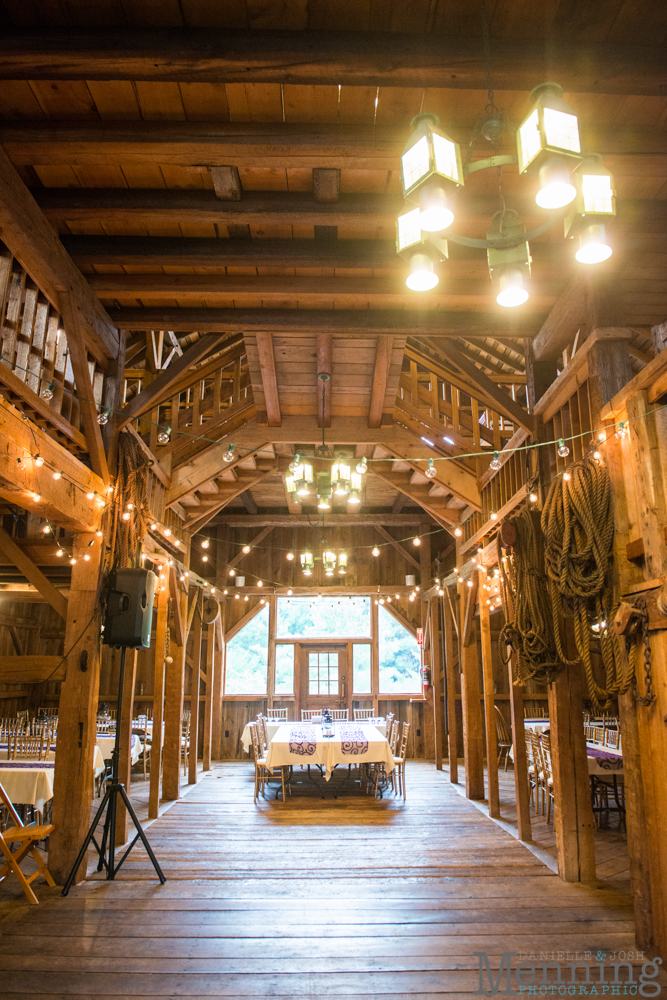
(198, 517)
(349, 58)
(31, 669)
(340, 322)
(62, 503)
(276, 144)
(397, 546)
(33, 574)
(192, 475)
(267, 366)
(324, 386)
(306, 520)
(33, 241)
(250, 545)
(380, 376)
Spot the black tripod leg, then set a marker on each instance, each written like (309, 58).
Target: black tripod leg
(86, 844)
(142, 836)
(111, 829)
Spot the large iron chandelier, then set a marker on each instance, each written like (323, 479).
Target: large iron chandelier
(575, 185)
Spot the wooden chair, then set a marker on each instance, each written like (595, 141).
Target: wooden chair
(398, 774)
(27, 838)
(185, 741)
(262, 772)
(278, 713)
(145, 735)
(308, 714)
(612, 738)
(340, 714)
(503, 737)
(532, 770)
(388, 719)
(598, 735)
(263, 735)
(363, 713)
(28, 747)
(547, 775)
(10, 729)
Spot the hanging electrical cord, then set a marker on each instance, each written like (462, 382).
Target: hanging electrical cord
(529, 625)
(578, 528)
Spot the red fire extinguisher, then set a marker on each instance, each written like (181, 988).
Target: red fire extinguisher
(426, 678)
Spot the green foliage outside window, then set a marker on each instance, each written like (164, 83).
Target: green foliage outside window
(399, 656)
(248, 657)
(323, 617)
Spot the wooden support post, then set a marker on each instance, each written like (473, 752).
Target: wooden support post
(436, 679)
(493, 795)
(375, 657)
(573, 815)
(271, 672)
(208, 704)
(77, 722)
(173, 711)
(194, 695)
(218, 687)
(451, 674)
(473, 750)
(158, 702)
(125, 759)
(424, 550)
(519, 755)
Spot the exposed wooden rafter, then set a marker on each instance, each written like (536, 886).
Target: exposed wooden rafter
(33, 574)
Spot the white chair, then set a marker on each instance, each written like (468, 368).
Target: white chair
(340, 714)
(308, 714)
(363, 713)
(278, 713)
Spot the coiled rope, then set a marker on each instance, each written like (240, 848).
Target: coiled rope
(529, 622)
(131, 488)
(578, 529)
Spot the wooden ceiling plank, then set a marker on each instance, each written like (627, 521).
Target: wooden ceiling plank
(324, 386)
(192, 475)
(358, 59)
(33, 574)
(31, 669)
(34, 404)
(289, 520)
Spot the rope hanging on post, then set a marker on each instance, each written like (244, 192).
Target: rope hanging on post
(578, 527)
(529, 623)
(131, 488)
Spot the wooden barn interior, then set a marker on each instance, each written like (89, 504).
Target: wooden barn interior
(359, 461)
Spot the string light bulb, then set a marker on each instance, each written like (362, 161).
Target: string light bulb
(289, 556)
(563, 450)
(126, 515)
(39, 461)
(458, 532)
(164, 436)
(431, 472)
(362, 467)
(205, 543)
(229, 454)
(294, 464)
(416, 540)
(47, 392)
(103, 417)
(37, 497)
(57, 475)
(60, 553)
(167, 532)
(495, 462)
(602, 437)
(72, 561)
(246, 549)
(567, 477)
(596, 455)
(533, 497)
(376, 551)
(494, 515)
(621, 431)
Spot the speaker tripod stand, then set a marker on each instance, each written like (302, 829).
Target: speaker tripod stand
(107, 849)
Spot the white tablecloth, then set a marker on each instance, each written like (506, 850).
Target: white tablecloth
(537, 726)
(30, 782)
(105, 742)
(352, 743)
(272, 727)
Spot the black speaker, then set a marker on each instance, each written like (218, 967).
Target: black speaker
(129, 615)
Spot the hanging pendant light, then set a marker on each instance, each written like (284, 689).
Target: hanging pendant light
(329, 562)
(340, 478)
(342, 563)
(508, 266)
(307, 563)
(549, 135)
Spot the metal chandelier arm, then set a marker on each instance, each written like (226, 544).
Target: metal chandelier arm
(510, 241)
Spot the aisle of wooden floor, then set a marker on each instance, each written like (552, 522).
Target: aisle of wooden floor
(343, 897)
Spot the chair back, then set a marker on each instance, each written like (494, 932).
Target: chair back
(263, 736)
(278, 713)
(545, 746)
(392, 735)
(530, 757)
(255, 737)
(340, 714)
(363, 713)
(403, 744)
(23, 714)
(598, 735)
(308, 714)
(32, 747)
(503, 731)
(388, 719)
(538, 759)
(612, 738)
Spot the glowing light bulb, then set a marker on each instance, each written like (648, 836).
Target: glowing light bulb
(57, 475)
(37, 497)
(246, 549)
(533, 497)
(229, 454)
(512, 293)
(596, 455)
(72, 561)
(556, 190)
(260, 583)
(204, 558)
(167, 532)
(436, 214)
(458, 532)
(39, 461)
(46, 529)
(602, 436)
(205, 543)
(494, 515)
(86, 557)
(153, 526)
(60, 553)
(470, 583)
(567, 477)
(103, 418)
(563, 450)
(126, 516)
(90, 495)
(622, 430)
(290, 556)
(362, 467)
(376, 551)
(422, 277)
(431, 472)
(289, 593)
(416, 540)
(593, 248)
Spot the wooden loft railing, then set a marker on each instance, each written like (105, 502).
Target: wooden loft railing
(36, 359)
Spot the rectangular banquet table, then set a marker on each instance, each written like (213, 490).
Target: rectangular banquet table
(105, 743)
(352, 743)
(273, 725)
(604, 761)
(30, 782)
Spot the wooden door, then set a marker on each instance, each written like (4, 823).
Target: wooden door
(323, 674)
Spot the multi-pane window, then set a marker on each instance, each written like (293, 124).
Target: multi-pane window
(361, 663)
(322, 673)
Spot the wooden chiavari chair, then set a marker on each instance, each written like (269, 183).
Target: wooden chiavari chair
(340, 714)
(32, 747)
(308, 714)
(262, 772)
(532, 770)
(540, 770)
(279, 714)
(263, 735)
(547, 775)
(612, 738)
(503, 737)
(398, 774)
(145, 735)
(185, 741)
(363, 713)
(10, 729)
